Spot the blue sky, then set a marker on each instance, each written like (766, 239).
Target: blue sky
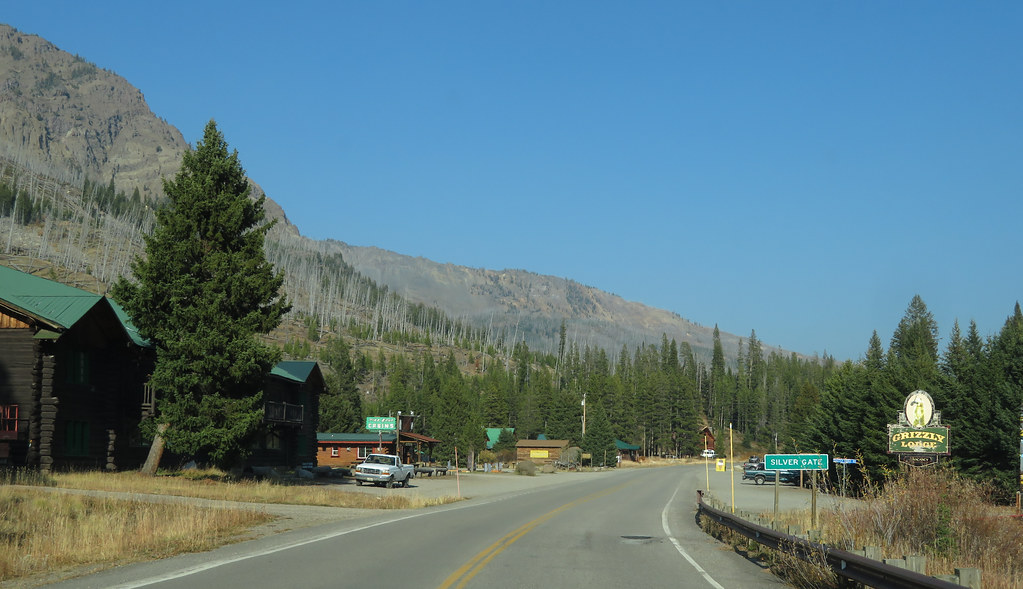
(801, 169)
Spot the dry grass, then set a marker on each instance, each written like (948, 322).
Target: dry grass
(937, 514)
(950, 520)
(43, 533)
(216, 485)
(51, 533)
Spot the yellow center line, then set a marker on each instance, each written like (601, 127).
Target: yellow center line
(476, 563)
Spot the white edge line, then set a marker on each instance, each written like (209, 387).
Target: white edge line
(678, 545)
(280, 548)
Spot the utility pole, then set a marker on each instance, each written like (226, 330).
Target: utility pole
(584, 415)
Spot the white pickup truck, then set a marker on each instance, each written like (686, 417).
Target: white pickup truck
(384, 469)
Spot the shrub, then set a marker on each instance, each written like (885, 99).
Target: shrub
(526, 467)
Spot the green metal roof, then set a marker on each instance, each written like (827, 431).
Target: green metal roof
(56, 305)
(623, 446)
(295, 370)
(493, 434)
(133, 332)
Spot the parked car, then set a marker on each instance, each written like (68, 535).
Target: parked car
(384, 469)
(708, 453)
(752, 463)
(759, 475)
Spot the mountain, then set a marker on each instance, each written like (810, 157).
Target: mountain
(64, 121)
(529, 305)
(66, 118)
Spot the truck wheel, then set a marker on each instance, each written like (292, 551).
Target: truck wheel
(405, 482)
(759, 479)
(358, 483)
(390, 483)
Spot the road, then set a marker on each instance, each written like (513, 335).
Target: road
(627, 527)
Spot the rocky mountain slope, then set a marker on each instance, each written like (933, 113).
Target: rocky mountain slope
(66, 119)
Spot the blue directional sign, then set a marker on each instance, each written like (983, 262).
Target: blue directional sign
(796, 461)
(845, 461)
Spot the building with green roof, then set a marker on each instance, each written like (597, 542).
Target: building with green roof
(73, 385)
(72, 377)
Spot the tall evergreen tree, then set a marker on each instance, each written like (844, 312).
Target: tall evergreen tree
(341, 403)
(966, 405)
(913, 355)
(1007, 404)
(599, 440)
(202, 293)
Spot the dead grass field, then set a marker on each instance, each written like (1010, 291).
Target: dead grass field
(44, 533)
(937, 514)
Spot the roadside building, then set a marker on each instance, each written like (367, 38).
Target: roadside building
(348, 449)
(73, 375)
(540, 451)
(291, 400)
(706, 435)
(494, 434)
(626, 451)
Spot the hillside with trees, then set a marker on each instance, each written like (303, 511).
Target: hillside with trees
(80, 181)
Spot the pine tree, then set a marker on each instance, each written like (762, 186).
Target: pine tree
(201, 295)
(599, 441)
(1006, 363)
(913, 355)
(341, 403)
(965, 401)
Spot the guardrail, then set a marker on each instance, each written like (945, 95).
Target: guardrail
(848, 565)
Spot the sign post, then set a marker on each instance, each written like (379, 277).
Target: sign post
(812, 462)
(843, 462)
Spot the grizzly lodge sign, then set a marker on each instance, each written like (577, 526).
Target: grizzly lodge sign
(919, 432)
(929, 439)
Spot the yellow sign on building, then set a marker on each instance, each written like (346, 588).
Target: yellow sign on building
(539, 453)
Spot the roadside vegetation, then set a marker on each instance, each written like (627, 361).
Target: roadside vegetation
(951, 520)
(43, 532)
(217, 485)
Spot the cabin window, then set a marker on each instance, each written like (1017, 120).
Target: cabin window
(273, 441)
(333, 452)
(76, 438)
(364, 451)
(148, 396)
(76, 370)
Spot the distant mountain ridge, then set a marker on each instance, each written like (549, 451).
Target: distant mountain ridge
(65, 118)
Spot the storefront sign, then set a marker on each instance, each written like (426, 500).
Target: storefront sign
(931, 440)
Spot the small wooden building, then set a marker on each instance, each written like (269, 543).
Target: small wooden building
(540, 451)
(706, 436)
(626, 451)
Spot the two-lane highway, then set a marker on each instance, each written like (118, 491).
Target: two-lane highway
(628, 527)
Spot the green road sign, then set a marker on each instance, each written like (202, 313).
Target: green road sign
(796, 461)
(376, 424)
